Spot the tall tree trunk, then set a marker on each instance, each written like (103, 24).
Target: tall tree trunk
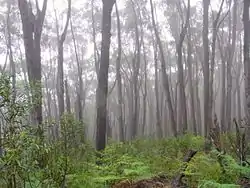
(246, 22)
(238, 81)
(164, 74)
(68, 105)
(32, 30)
(157, 111)
(80, 90)
(159, 130)
(102, 87)
(119, 79)
(136, 68)
(60, 78)
(11, 59)
(207, 116)
(183, 105)
(96, 53)
(190, 77)
(216, 25)
(231, 53)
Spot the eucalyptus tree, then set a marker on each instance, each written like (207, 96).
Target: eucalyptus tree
(32, 26)
(102, 88)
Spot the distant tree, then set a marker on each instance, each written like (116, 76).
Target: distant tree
(60, 76)
(118, 77)
(207, 116)
(165, 78)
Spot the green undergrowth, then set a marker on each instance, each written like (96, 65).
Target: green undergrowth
(146, 158)
(35, 157)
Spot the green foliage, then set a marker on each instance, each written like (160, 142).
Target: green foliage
(31, 160)
(203, 167)
(212, 184)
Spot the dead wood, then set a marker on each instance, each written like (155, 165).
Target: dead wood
(177, 181)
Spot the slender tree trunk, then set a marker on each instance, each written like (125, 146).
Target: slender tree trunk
(102, 87)
(246, 22)
(207, 116)
(157, 111)
(68, 105)
(32, 30)
(119, 79)
(214, 38)
(136, 68)
(60, 75)
(80, 90)
(191, 88)
(144, 122)
(229, 67)
(11, 59)
(238, 81)
(165, 79)
(183, 105)
(96, 53)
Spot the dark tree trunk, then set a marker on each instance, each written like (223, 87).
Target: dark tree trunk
(102, 88)
(246, 22)
(32, 30)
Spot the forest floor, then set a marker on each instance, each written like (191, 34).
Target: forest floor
(179, 166)
(155, 182)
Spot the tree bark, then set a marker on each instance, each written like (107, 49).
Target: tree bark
(80, 90)
(231, 53)
(11, 59)
(157, 111)
(119, 79)
(246, 22)
(207, 116)
(96, 53)
(68, 105)
(102, 87)
(60, 75)
(190, 77)
(32, 30)
(183, 105)
(136, 68)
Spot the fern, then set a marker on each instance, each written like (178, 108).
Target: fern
(213, 184)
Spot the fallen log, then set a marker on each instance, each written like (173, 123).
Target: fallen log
(177, 180)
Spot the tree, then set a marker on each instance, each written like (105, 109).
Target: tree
(183, 109)
(207, 116)
(231, 52)
(102, 87)
(164, 74)
(118, 77)
(11, 59)
(60, 78)
(32, 26)
(246, 21)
